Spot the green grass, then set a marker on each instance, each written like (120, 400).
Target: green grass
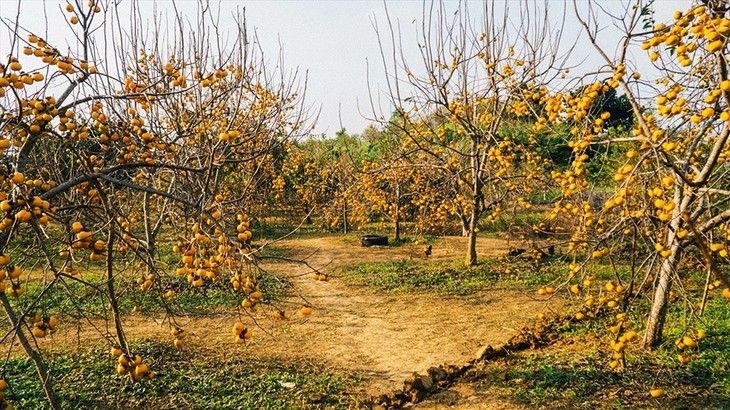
(408, 276)
(549, 378)
(451, 278)
(185, 378)
(405, 240)
(278, 227)
(713, 354)
(274, 250)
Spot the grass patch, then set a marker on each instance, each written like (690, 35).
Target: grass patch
(582, 379)
(406, 240)
(409, 276)
(190, 378)
(713, 355)
(274, 250)
(452, 278)
(278, 227)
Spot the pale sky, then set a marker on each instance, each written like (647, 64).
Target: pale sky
(332, 41)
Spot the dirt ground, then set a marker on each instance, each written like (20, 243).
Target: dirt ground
(382, 338)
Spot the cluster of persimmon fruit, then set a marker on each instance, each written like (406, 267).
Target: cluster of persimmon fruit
(132, 365)
(241, 333)
(321, 276)
(687, 343)
(179, 334)
(195, 268)
(20, 201)
(13, 76)
(145, 282)
(93, 6)
(11, 272)
(130, 242)
(43, 325)
(84, 239)
(619, 344)
(250, 286)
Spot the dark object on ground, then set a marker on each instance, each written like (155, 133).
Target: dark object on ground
(371, 240)
(551, 250)
(428, 250)
(516, 252)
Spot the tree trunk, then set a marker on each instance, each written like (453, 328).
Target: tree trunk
(396, 219)
(344, 215)
(667, 270)
(396, 214)
(40, 366)
(658, 313)
(471, 249)
(464, 225)
(476, 203)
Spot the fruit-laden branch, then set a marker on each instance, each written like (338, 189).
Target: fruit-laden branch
(104, 176)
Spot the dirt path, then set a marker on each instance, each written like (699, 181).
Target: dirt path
(386, 337)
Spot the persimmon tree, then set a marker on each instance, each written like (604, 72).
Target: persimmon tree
(115, 137)
(684, 145)
(666, 211)
(472, 70)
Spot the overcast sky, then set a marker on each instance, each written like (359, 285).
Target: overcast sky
(333, 42)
